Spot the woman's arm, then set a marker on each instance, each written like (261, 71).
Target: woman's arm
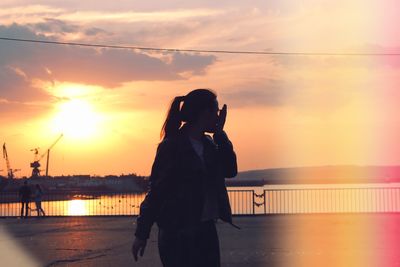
(227, 156)
(158, 187)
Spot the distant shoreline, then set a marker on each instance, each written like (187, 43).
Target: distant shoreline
(132, 183)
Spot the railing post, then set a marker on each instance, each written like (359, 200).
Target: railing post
(265, 201)
(254, 208)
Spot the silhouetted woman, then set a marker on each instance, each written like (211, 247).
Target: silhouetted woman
(38, 200)
(187, 183)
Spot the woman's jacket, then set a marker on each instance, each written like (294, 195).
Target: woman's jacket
(180, 179)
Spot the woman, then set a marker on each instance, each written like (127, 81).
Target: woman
(187, 188)
(38, 201)
(25, 197)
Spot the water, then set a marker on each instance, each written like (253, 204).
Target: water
(82, 205)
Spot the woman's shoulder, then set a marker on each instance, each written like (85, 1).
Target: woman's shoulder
(168, 141)
(168, 144)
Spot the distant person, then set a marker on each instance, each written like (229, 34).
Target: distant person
(187, 191)
(38, 200)
(25, 196)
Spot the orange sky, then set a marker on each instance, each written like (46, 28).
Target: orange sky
(282, 111)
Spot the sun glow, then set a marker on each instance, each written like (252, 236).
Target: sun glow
(77, 119)
(77, 207)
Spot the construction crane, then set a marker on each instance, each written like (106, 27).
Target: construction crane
(10, 172)
(35, 165)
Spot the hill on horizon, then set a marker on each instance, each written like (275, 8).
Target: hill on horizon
(321, 175)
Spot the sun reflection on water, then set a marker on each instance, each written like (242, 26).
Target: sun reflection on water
(77, 207)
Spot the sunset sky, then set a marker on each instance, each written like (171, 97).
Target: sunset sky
(283, 111)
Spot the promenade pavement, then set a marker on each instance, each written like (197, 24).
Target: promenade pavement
(343, 240)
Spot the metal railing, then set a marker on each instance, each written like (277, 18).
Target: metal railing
(242, 202)
(74, 204)
(278, 199)
(103, 204)
(320, 199)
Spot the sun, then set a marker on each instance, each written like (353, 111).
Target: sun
(77, 119)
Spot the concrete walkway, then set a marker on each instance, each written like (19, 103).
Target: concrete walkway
(278, 240)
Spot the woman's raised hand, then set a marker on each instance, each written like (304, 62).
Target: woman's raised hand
(221, 119)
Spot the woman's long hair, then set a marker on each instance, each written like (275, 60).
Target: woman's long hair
(194, 103)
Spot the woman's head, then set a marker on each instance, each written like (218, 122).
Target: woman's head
(199, 106)
(196, 103)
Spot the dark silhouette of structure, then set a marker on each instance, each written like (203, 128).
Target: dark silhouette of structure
(10, 171)
(35, 165)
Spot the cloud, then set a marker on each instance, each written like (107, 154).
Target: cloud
(343, 61)
(182, 62)
(36, 13)
(133, 16)
(55, 26)
(26, 13)
(272, 93)
(12, 111)
(201, 24)
(16, 87)
(303, 96)
(108, 68)
(124, 5)
(95, 31)
(67, 31)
